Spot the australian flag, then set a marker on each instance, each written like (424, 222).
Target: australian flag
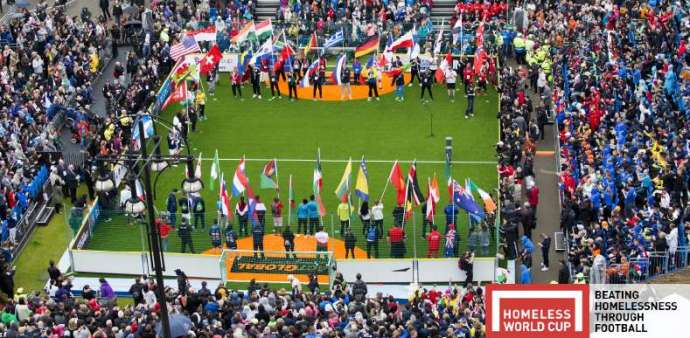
(463, 199)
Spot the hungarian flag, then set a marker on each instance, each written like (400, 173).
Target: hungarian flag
(204, 34)
(398, 182)
(212, 58)
(318, 183)
(312, 43)
(269, 174)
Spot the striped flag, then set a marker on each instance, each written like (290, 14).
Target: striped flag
(344, 185)
(224, 198)
(312, 68)
(247, 33)
(362, 185)
(338, 71)
(187, 46)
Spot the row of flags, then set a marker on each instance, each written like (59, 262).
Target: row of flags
(408, 189)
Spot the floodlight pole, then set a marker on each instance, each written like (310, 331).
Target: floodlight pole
(154, 236)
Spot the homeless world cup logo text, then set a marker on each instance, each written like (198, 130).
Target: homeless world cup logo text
(537, 311)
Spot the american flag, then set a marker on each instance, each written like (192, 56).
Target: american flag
(187, 46)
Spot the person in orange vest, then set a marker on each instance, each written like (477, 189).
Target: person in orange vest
(434, 242)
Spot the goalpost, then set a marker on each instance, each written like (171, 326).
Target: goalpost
(276, 266)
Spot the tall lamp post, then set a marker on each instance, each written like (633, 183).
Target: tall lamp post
(157, 163)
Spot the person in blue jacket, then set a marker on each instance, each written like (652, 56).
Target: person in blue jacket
(313, 213)
(357, 70)
(230, 237)
(451, 212)
(302, 217)
(525, 274)
(527, 250)
(215, 234)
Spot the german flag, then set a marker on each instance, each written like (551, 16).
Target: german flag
(368, 46)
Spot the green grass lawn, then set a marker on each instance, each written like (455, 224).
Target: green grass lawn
(381, 131)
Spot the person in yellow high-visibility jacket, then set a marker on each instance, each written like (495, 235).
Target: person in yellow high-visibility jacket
(519, 46)
(200, 101)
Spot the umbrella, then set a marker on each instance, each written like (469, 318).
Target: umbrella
(179, 326)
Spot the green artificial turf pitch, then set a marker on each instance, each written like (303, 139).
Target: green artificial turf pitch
(385, 130)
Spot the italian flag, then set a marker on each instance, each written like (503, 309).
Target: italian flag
(264, 29)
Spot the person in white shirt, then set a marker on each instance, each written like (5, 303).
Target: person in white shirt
(321, 240)
(377, 215)
(451, 77)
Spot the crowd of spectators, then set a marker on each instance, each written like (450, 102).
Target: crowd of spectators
(615, 77)
(347, 309)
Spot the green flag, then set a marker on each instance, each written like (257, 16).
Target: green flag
(268, 175)
(215, 169)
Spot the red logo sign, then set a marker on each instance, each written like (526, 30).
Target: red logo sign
(537, 311)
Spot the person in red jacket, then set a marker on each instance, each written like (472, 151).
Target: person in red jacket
(434, 243)
(164, 231)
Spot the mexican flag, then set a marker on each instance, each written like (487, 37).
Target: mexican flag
(264, 29)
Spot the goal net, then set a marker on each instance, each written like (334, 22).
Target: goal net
(276, 266)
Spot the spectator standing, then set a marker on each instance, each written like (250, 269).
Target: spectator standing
(230, 237)
(258, 239)
(545, 245)
(313, 212)
(359, 289)
(106, 291)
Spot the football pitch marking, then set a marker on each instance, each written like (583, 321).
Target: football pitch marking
(345, 161)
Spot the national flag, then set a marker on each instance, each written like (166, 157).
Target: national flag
(197, 170)
(344, 185)
(178, 95)
(310, 71)
(458, 30)
(209, 62)
(187, 46)
(414, 194)
(204, 34)
(445, 64)
(224, 199)
(404, 41)
(462, 199)
(265, 49)
(398, 182)
(479, 53)
(264, 29)
(240, 182)
(369, 46)
(318, 183)
(148, 128)
(362, 184)
(268, 175)
(215, 169)
(438, 43)
(339, 67)
(247, 33)
(312, 43)
(334, 39)
(139, 191)
(432, 200)
(291, 194)
(489, 204)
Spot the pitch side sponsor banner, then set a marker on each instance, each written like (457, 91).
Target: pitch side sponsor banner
(588, 311)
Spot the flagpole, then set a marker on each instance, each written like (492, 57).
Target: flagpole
(290, 192)
(275, 162)
(349, 205)
(387, 181)
(428, 187)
